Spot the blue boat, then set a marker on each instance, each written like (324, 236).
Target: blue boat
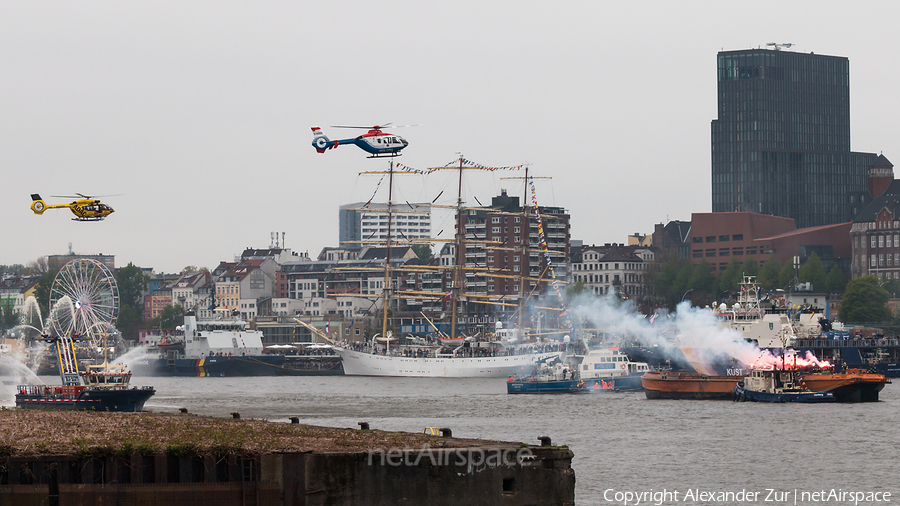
(772, 385)
(534, 386)
(553, 378)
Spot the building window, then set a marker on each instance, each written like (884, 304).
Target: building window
(880, 260)
(697, 239)
(710, 238)
(880, 241)
(723, 238)
(873, 241)
(872, 261)
(737, 237)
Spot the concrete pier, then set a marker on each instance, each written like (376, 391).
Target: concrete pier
(306, 465)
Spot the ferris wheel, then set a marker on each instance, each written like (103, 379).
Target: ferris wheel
(84, 301)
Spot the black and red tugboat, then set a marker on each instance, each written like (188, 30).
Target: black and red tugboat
(104, 387)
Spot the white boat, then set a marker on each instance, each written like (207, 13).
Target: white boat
(363, 363)
(608, 364)
(767, 330)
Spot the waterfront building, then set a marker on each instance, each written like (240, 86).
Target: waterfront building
(363, 221)
(673, 238)
(781, 141)
(718, 238)
(156, 302)
(612, 269)
(191, 291)
(242, 284)
(506, 221)
(14, 290)
(875, 232)
(56, 262)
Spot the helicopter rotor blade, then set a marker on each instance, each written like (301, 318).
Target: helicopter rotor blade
(373, 127)
(79, 195)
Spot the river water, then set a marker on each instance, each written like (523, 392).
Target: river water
(622, 441)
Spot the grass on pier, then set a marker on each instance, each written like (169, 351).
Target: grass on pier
(55, 432)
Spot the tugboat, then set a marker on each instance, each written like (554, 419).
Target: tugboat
(555, 378)
(768, 384)
(852, 385)
(103, 387)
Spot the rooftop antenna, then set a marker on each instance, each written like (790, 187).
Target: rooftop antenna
(778, 45)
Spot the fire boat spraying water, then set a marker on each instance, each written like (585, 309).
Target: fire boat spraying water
(104, 387)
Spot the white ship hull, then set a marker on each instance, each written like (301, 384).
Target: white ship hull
(357, 363)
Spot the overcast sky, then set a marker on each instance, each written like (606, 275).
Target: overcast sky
(198, 113)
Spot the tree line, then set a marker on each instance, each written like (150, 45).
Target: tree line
(671, 279)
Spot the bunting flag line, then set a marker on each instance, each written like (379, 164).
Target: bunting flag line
(546, 251)
(369, 202)
(407, 168)
(470, 163)
(486, 167)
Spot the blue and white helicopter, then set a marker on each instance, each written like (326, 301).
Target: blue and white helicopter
(375, 142)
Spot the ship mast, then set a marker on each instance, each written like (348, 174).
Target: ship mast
(525, 243)
(460, 253)
(387, 259)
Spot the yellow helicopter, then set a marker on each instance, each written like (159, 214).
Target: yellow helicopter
(86, 208)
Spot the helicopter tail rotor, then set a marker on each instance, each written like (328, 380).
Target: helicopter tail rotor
(321, 141)
(37, 204)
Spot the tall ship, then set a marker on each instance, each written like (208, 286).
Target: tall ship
(224, 347)
(454, 355)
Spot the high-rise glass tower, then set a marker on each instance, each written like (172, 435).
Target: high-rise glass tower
(781, 143)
